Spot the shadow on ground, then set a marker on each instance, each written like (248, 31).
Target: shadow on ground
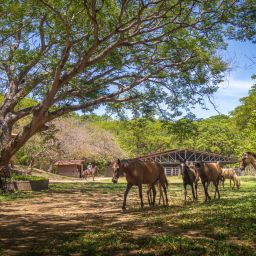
(86, 220)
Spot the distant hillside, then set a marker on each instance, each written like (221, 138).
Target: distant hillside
(80, 139)
(70, 138)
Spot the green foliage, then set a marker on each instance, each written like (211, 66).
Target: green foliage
(23, 103)
(140, 136)
(184, 130)
(217, 134)
(28, 151)
(15, 177)
(143, 136)
(244, 116)
(178, 46)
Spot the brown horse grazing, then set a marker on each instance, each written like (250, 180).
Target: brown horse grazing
(228, 173)
(248, 158)
(137, 173)
(93, 173)
(209, 172)
(190, 177)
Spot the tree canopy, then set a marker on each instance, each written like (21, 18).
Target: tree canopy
(70, 55)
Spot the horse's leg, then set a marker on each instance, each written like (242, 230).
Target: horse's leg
(141, 198)
(216, 184)
(223, 181)
(128, 187)
(218, 189)
(185, 191)
(205, 191)
(193, 192)
(196, 189)
(154, 195)
(161, 196)
(160, 193)
(233, 183)
(149, 195)
(165, 193)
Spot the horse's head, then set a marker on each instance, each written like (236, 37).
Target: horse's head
(116, 170)
(198, 166)
(246, 160)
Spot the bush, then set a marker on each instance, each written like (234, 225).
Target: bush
(16, 177)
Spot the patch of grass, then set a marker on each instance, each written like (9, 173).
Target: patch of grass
(219, 227)
(120, 242)
(26, 177)
(17, 195)
(97, 187)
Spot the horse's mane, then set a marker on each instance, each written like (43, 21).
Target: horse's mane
(251, 154)
(125, 162)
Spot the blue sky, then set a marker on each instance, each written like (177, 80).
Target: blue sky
(237, 81)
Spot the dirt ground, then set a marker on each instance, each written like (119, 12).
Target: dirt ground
(75, 217)
(29, 222)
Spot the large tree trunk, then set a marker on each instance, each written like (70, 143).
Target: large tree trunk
(9, 144)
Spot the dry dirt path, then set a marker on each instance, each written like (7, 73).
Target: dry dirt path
(25, 223)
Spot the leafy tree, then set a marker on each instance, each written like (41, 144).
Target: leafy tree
(217, 134)
(184, 130)
(244, 116)
(140, 136)
(243, 25)
(245, 113)
(42, 150)
(71, 55)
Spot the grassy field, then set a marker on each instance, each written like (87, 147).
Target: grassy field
(86, 219)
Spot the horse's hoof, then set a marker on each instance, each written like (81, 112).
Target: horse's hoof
(123, 209)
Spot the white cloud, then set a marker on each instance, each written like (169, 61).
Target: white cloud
(226, 98)
(231, 85)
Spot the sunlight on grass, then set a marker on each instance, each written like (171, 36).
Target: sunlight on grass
(219, 227)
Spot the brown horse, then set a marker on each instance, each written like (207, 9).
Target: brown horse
(137, 173)
(229, 173)
(93, 173)
(190, 177)
(209, 172)
(248, 158)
